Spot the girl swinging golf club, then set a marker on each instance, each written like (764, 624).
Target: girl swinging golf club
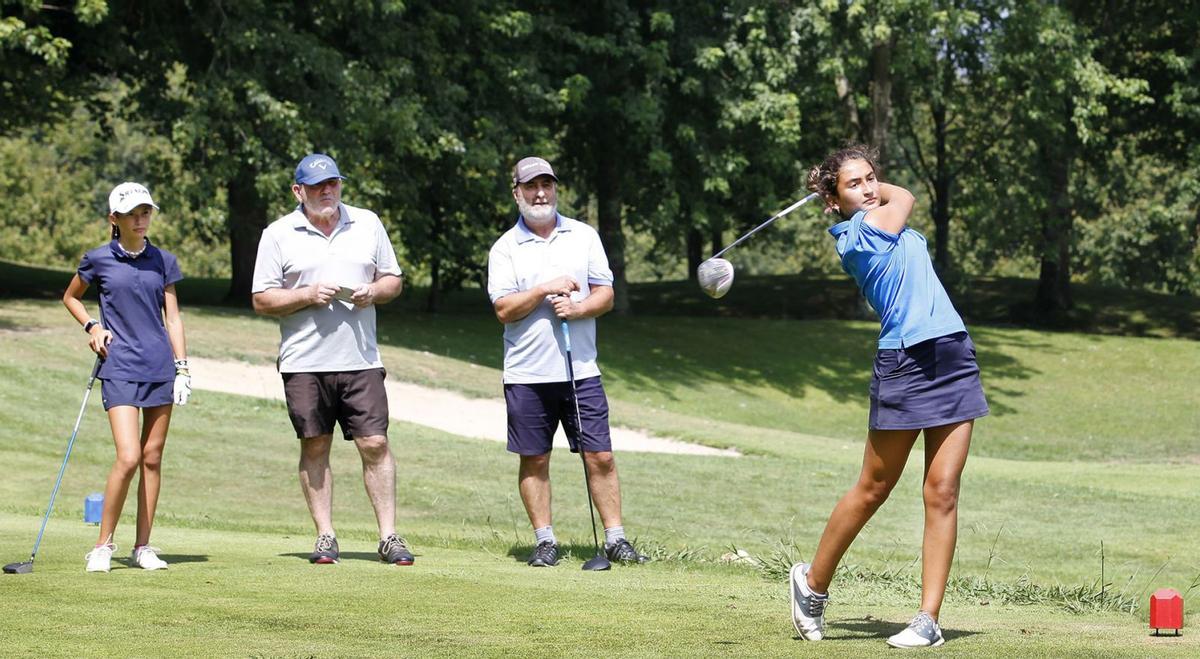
(925, 379)
(140, 334)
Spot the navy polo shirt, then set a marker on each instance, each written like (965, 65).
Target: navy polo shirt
(132, 291)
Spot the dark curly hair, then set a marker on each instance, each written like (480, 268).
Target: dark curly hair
(822, 178)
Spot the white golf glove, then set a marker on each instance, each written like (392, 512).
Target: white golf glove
(183, 382)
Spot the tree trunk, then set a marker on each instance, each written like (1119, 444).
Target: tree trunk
(247, 219)
(695, 251)
(434, 298)
(941, 192)
(1054, 280)
(608, 204)
(881, 97)
(846, 95)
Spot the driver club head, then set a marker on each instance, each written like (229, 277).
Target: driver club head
(715, 276)
(19, 568)
(597, 562)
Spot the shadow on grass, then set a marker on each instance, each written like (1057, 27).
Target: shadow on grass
(184, 558)
(344, 556)
(857, 629)
(567, 551)
(669, 356)
(681, 338)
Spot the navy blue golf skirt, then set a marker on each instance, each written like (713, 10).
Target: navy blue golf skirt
(136, 394)
(932, 383)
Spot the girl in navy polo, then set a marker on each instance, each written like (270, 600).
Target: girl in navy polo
(140, 339)
(925, 380)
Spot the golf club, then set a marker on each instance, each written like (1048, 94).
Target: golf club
(27, 566)
(715, 274)
(599, 561)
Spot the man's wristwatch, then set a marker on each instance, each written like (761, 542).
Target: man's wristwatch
(87, 327)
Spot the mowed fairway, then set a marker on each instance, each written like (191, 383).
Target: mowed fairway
(1093, 440)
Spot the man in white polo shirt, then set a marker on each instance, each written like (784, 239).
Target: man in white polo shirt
(321, 269)
(545, 269)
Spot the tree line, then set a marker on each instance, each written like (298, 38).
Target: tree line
(1052, 139)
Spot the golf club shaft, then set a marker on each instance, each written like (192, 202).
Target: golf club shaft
(61, 470)
(755, 230)
(587, 477)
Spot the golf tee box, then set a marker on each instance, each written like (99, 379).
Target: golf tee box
(1166, 610)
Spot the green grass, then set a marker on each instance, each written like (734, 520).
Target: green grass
(1093, 440)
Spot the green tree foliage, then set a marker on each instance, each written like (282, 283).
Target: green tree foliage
(1140, 209)
(442, 103)
(35, 46)
(609, 62)
(1053, 138)
(943, 75)
(1054, 98)
(736, 132)
(58, 176)
(243, 89)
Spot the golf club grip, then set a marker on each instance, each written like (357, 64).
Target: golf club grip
(566, 337)
(96, 369)
(774, 217)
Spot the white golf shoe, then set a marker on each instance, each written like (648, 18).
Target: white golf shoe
(808, 608)
(99, 559)
(146, 557)
(921, 632)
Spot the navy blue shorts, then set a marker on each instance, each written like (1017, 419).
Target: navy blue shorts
(535, 410)
(932, 383)
(137, 394)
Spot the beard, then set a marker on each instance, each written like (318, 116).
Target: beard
(542, 214)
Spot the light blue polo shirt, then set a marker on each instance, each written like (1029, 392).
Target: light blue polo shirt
(292, 253)
(896, 275)
(132, 292)
(533, 346)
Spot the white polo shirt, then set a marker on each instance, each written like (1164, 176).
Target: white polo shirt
(520, 260)
(293, 253)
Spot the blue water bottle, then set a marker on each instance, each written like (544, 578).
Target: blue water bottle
(93, 508)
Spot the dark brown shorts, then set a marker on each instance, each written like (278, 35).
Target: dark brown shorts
(356, 400)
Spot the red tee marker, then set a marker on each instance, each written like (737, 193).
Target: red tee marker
(1166, 610)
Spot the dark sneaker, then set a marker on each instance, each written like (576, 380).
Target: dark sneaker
(623, 552)
(393, 549)
(325, 551)
(544, 555)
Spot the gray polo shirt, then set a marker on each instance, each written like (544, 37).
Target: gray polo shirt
(294, 253)
(519, 260)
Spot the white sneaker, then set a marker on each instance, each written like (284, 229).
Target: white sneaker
(99, 559)
(808, 609)
(146, 557)
(922, 632)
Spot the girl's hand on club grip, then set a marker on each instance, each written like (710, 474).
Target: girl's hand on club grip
(99, 341)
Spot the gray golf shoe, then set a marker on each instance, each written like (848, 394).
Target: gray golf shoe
(393, 549)
(325, 550)
(921, 632)
(808, 609)
(622, 551)
(544, 555)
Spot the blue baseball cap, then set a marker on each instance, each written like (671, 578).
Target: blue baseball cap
(316, 167)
